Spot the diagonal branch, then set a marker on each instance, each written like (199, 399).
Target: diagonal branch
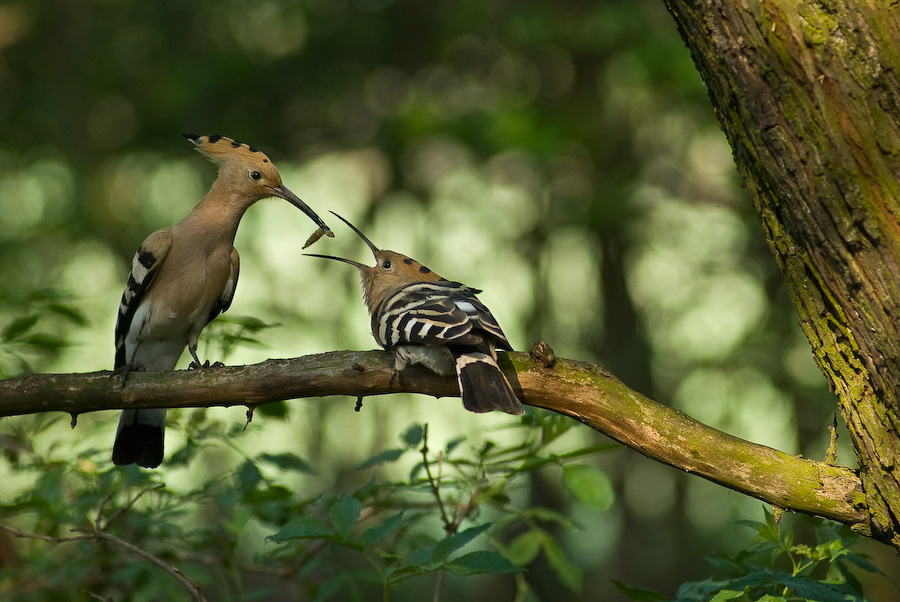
(580, 390)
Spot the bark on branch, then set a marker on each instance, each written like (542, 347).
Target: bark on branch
(580, 390)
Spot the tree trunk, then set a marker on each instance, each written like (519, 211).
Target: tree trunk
(807, 95)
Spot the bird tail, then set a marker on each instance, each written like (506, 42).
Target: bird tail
(139, 438)
(482, 384)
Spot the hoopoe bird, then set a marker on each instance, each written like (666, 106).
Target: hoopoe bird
(426, 319)
(184, 276)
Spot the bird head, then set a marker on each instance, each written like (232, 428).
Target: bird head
(391, 270)
(249, 173)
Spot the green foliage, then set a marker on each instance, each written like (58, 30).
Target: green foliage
(773, 568)
(87, 528)
(33, 328)
(226, 333)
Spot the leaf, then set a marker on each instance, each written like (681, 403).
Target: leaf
(524, 548)
(69, 313)
(548, 515)
(482, 561)
(249, 476)
(18, 327)
(552, 427)
(450, 544)
(278, 410)
(589, 485)
(452, 444)
(566, 571)
(379, 532)
(726, 594)
(45, 341)
(390, 455)
(637, 594)
(344, 514)
(288, 461)
(413, 435)
(302, 527)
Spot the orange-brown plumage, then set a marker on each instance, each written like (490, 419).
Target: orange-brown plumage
(183, 276)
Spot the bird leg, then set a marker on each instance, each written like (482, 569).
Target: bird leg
(125, 371)
(197, 364)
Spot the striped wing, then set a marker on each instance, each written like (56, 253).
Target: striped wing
(436, 313)
(144, 268)
(224, 301)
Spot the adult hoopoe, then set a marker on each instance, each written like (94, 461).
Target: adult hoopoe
(183, 277)
(426, 319)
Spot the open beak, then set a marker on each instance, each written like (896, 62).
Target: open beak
(355, 264)
(283, 193)
(368, 242)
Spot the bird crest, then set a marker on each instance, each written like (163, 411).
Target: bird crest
(220, 149)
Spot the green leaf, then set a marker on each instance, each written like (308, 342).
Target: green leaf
(548, 515)
(524, 548)
(589, 485)
(448, 545)
(45, 341)
(727, 594)
(566, 571)
(413, 435)
(69, 313)
(452, 444)
(390, 455)
(277, 410)
(288, 461)
(344, 514)
(302, 527)
(637, 594)
(553, 426)
(379, 532)
(249, 476)
(482, 561)
(18, 327)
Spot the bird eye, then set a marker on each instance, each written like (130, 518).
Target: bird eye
(386, 264)
(255, 175)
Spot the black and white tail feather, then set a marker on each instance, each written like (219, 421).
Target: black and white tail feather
(443, 326)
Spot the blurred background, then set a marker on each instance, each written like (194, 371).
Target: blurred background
(562, 156)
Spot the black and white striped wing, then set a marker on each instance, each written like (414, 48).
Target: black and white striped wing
(144, 268)
(224, 301)
(436, 313)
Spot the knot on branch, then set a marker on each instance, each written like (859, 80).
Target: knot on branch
(542, 352)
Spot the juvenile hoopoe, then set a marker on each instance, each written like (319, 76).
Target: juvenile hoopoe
(183, 277)
(426, 319)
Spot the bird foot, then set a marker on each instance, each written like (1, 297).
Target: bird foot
(125, 371)
(194, 365)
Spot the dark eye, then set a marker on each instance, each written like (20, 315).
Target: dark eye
(386, 264)
(255, 175)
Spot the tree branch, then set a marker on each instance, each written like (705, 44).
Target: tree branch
(580, 390)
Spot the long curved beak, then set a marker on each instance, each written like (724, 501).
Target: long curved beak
(368, 242)
(282, 192)
(356, 264)
(360, 266)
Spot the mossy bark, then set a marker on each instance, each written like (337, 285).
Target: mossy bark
(808, 96)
